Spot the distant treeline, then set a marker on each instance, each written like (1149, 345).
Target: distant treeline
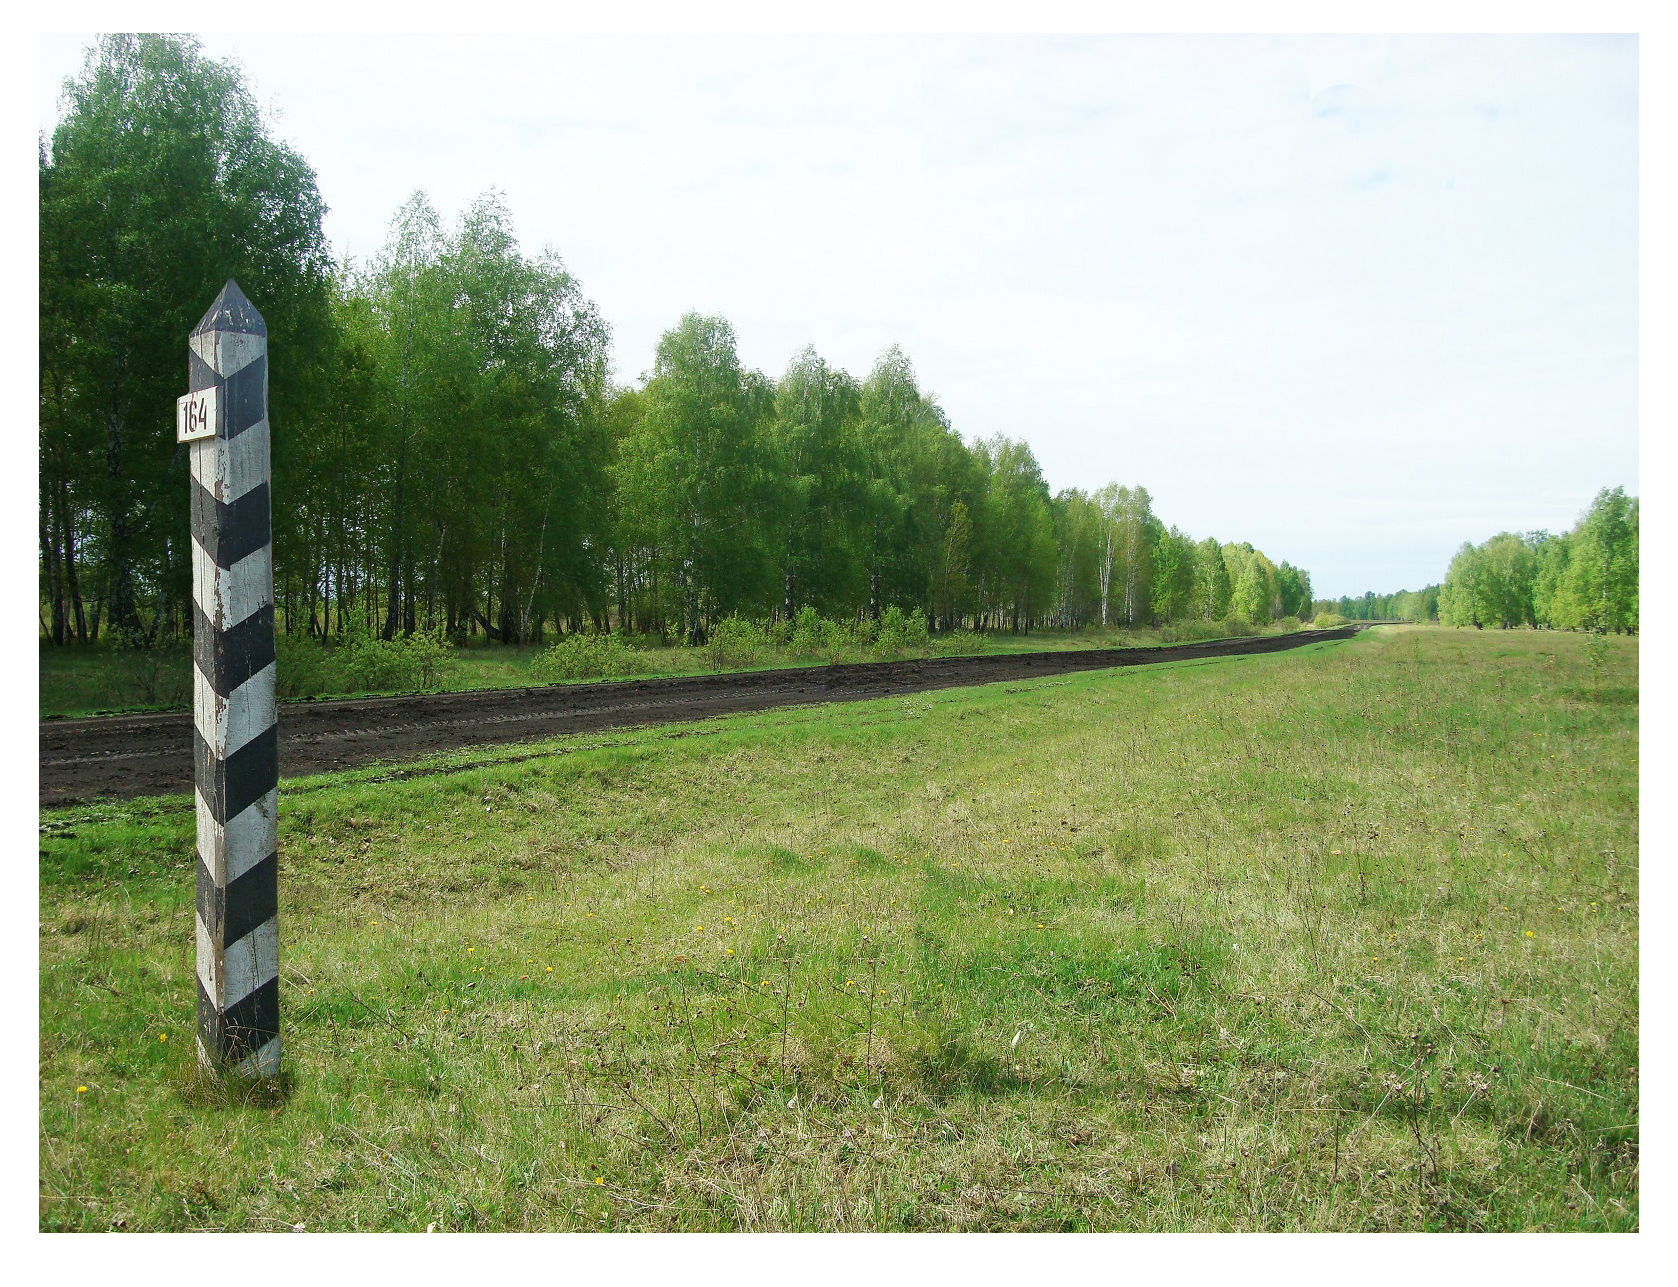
(450, 454)
(1403, 605)
(1585, 579)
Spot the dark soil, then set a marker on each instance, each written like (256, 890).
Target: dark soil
(118, 757)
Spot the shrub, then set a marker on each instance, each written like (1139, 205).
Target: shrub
(1192, 631)
(305, 668)
(837, 638)
(958, 642)
(151, 674)
(1286, 625)
(902, 632)
(735, 643)
(1327, 621)
(426, 653)
(586, 657)
(1236, 623)
(807, 634)
(369, 662)
(918, 634)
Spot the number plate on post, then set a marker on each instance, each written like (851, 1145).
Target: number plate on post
(197, 415)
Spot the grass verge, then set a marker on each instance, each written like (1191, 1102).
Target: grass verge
(1341, 938)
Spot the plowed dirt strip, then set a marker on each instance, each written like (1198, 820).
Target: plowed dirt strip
(118, 757)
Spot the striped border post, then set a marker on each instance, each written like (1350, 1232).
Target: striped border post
(236, 739)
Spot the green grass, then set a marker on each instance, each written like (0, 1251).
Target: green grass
(1341, 938)
(100, 680)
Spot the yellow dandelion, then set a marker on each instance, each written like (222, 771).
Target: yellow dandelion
(163, 1036)
(600, 1179)
(81, 1090)
(729, 950)
(1529, 933)
(550, 969)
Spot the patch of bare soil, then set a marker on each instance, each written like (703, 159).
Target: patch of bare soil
(119, 757)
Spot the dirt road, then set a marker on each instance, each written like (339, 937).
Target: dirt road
(117, 757)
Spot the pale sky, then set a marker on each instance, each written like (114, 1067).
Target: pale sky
(1353, 299)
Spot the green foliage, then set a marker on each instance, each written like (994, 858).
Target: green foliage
(808, 633)
(303, 668)
(1593, 579)
(1327, 620)
(392, 665)
(449, 454)
(689, 475)
(1212, 586)
(1175, 563)
(902, 632)
(1257, 593)
(1586, 579)
(1191, 631)
(1293, 588)
(586, 656)
(1403, 605)
(160, 182)
(736, 643)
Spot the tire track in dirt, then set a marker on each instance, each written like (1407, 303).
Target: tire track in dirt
(122, 756)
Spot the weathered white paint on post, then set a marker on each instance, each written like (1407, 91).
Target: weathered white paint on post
(224, 419)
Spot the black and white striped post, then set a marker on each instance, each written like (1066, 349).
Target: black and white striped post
(225, 421)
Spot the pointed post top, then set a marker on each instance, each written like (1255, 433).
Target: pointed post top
(232, 312)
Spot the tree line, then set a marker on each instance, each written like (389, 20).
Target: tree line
(451, 454)
(1401, 605)
(1583, 579)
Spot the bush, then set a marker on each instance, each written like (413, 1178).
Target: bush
(1192, 631)
(902, 632)
(808, 638)
(837, 639)
(1327, 621)
(961, 641)
(371, 663)
(735, 643)
(586, 657)
(1236, 623)
(305, 668)
(1285, 625)
(151, 674)
(426, 654)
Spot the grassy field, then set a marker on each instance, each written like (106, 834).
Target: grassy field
(100, 680)
(1340, 938)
